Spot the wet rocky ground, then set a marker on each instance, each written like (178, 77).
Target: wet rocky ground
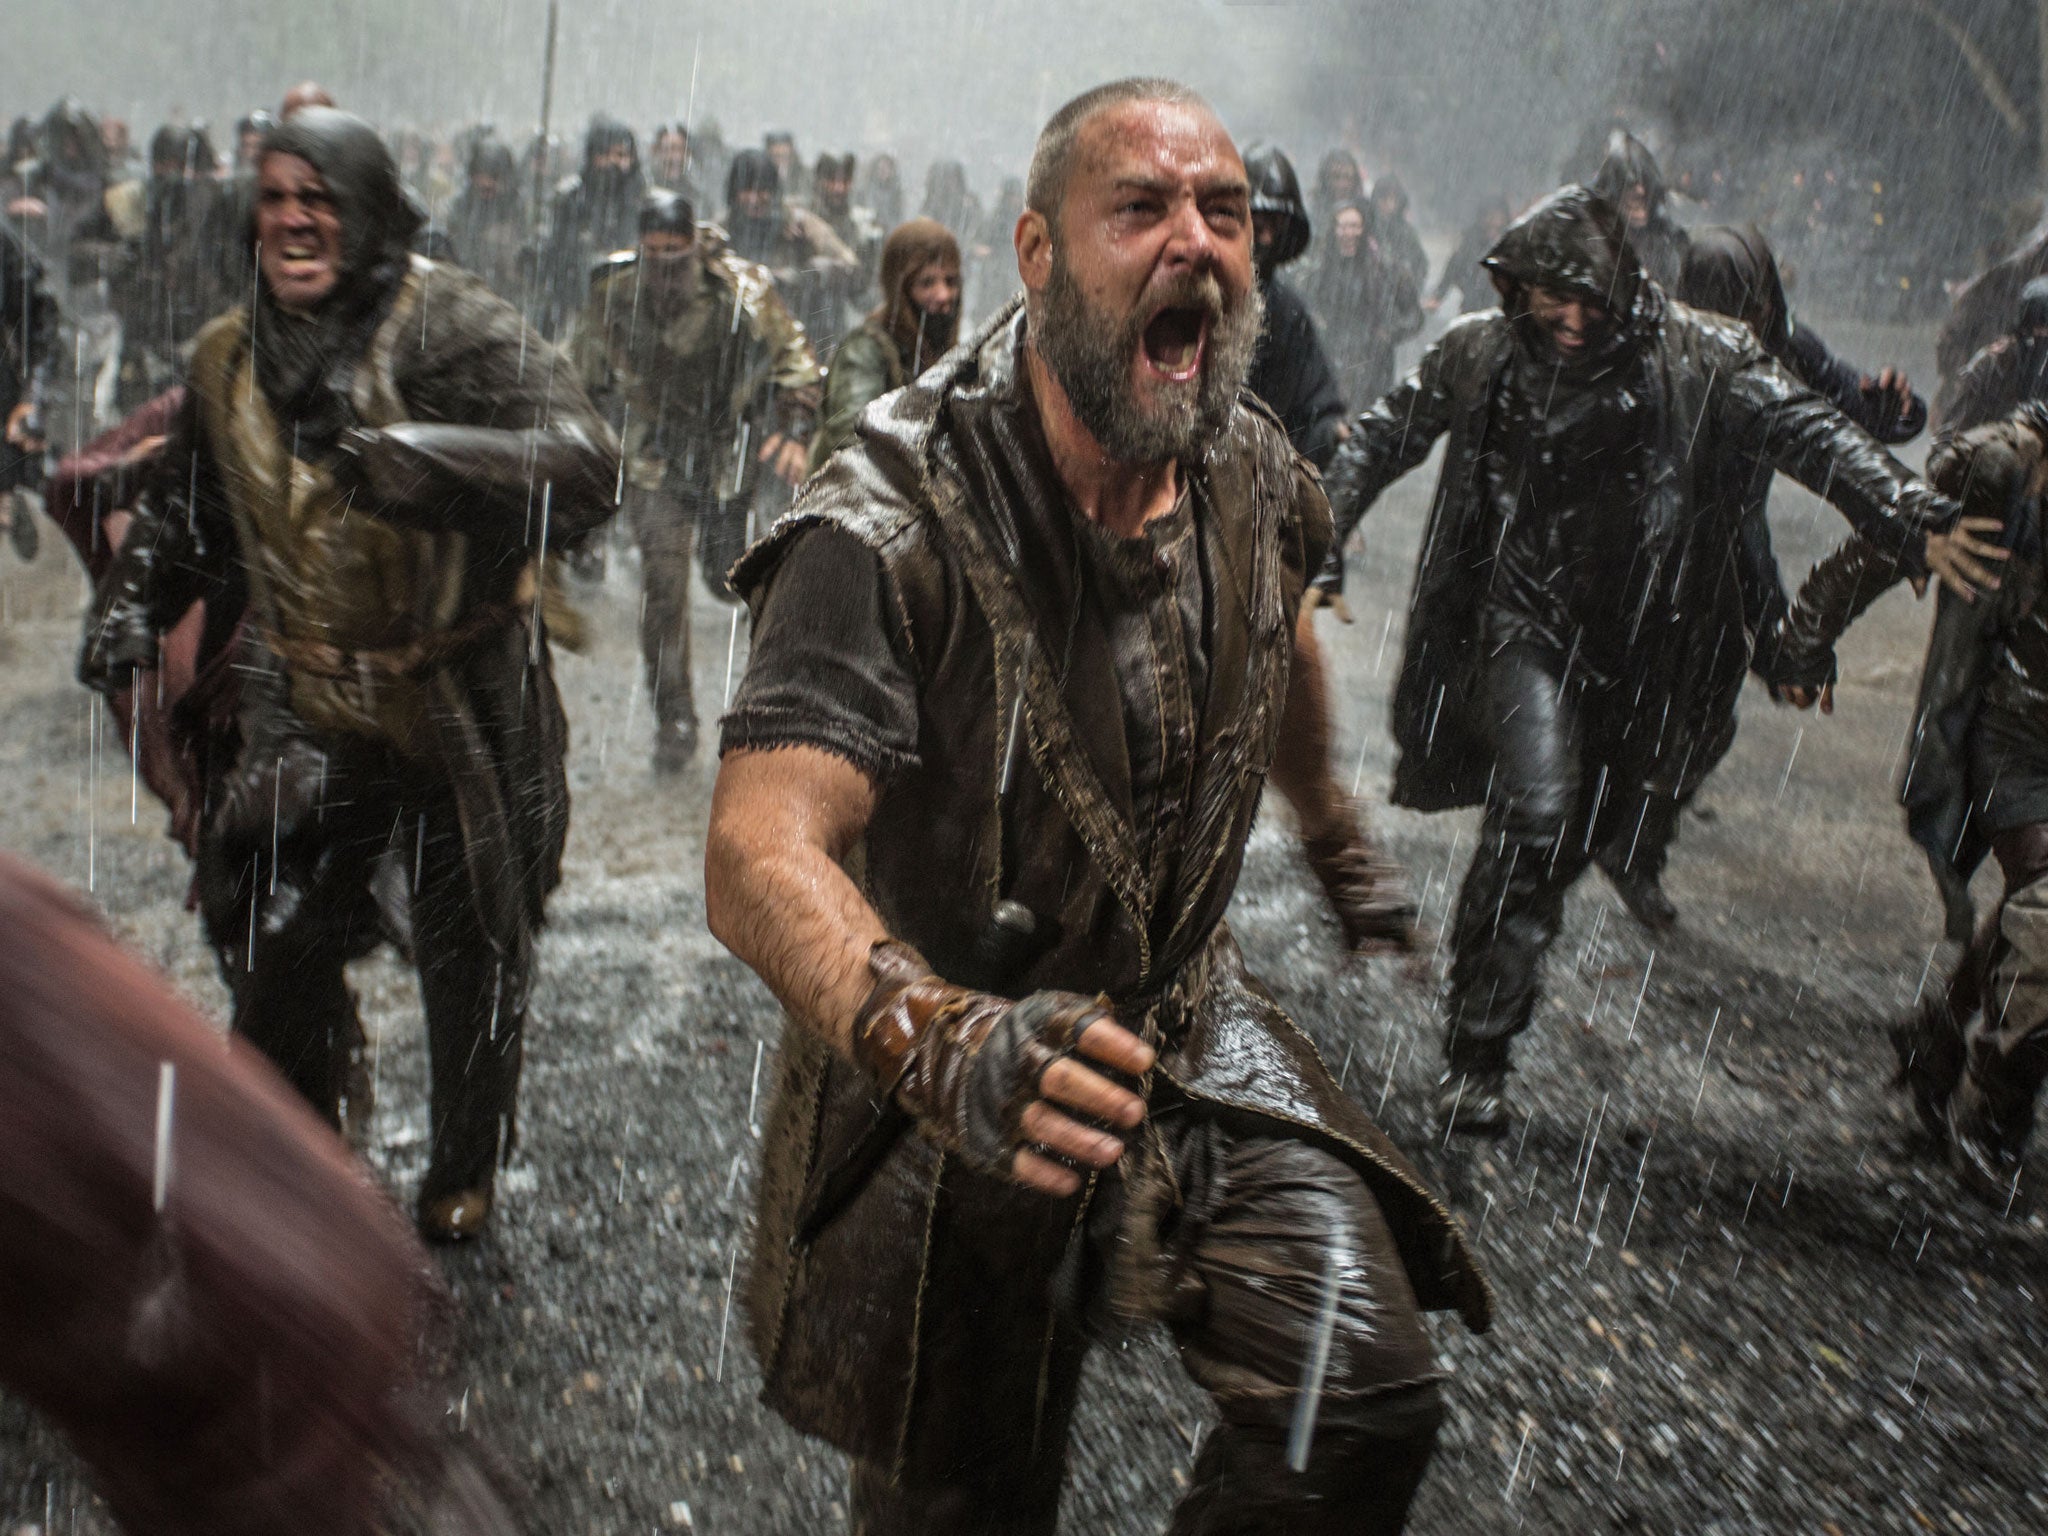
(1733, 1297)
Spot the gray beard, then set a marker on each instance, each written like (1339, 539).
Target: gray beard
(1091, 357)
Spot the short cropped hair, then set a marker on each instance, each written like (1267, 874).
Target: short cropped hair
(1052, 161)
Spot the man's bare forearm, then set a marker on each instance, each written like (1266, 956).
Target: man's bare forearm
(1301, 762)
(775, 893)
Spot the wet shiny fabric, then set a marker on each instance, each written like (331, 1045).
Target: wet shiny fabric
(1717, 400)
(1555, 801)
(288, 889)
(1268, 1226)
(915, 1314)
(1571, 510)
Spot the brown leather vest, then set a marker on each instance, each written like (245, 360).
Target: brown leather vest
(337, 589)
(986, 626)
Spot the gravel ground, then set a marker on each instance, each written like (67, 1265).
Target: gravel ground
(1733, 1296)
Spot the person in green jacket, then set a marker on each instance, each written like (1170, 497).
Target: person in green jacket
(912, 328)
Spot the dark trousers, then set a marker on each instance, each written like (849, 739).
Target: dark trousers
(1268, 1228)
(1554, 803)
(285, 918)
(666, 525)
(1994, 1035)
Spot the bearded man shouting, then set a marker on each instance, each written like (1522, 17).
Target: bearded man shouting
(1024, 655)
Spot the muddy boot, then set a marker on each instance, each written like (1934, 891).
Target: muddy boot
(1987, 1135)
(455, 1218)
(675, 747)
(1472, 1097)
(1930, 1051)
(1366, 890)
(1642, 892)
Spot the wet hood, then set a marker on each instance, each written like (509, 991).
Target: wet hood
(1574, 242)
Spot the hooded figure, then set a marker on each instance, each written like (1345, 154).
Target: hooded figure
(1577, 632)
(1338, 181)
(1631, 183)
(1364, 302)
(947, 199)
(487, 221)
(169, 281)
(901, 337)
(1394, 231)
(2006, 372)
(1731, 270)
(881, 190)
(1290, 370)
(349, 488)
(69, 179)
(593, 215)
(1465, 270)
(815, 271)
(1983, 309)
(691, 350)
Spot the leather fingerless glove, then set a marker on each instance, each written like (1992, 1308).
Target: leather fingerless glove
(1366, 890)
(964, 1065)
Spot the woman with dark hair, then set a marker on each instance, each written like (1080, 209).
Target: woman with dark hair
(912, 328)
(1365, 304)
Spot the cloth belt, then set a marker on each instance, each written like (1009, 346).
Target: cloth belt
(416, 658)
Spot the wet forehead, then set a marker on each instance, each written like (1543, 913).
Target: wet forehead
(287, 172)
(1157, 142)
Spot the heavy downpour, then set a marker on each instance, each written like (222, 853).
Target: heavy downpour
(970, 770)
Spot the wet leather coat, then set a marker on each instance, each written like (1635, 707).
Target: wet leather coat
(1987, 661)
(875, 1255)
(393, 583)
(1718, 400)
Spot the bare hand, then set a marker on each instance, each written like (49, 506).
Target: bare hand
(1071, 1085)
(20, 433)
(1806, 698)
(27, 208)
(1891, 381)
(1953, 557)
(786, 459)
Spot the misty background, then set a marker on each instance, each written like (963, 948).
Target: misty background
(1904, 135)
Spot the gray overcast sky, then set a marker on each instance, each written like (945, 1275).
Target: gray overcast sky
(971, 78)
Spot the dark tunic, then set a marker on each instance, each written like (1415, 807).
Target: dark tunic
(902, 1305)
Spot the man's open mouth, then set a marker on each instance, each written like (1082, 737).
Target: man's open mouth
(301, 260)
(1173, 342)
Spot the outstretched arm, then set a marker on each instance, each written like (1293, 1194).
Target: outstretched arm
(1367, 892)
(962, 1063)
(1387, 440)
(1769, 412)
